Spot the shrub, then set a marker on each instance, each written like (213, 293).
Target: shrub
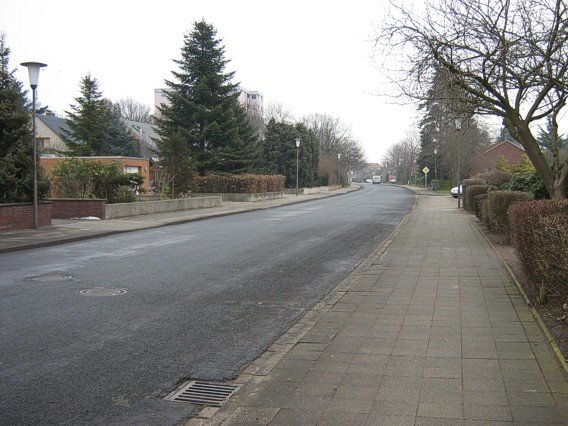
(496, 215)
(540, 235)
(465, 184)
(479, 203)
(74, 178)
(472, 192)
(239, 184)
(497, 178)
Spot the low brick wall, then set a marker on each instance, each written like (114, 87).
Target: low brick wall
(21, 215)
(246, 197)
(114, 211)
(69, 208)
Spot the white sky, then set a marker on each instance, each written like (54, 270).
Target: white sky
(311, 56)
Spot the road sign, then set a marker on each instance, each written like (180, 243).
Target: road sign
(425, 170)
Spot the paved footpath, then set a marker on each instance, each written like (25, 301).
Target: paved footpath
(430, 329)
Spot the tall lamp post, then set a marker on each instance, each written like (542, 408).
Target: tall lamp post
(33, 70)
(338, 170)
(297, 140)
(436, 167)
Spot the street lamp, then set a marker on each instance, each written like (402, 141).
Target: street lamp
(458, 123)
(436, 167)
(338, 170)
(297, 140)
(33, 70)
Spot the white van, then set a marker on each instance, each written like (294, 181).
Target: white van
(376, 179)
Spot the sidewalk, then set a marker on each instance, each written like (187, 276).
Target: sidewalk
(430, 329)
(66, 230)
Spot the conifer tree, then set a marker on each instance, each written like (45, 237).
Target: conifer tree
(204, 111)
(95, 126)
(16, 149)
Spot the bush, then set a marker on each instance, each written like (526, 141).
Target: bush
(74, 178)
(540, 235)
(479, 203)
(497, 178)
(239, 184)
(472, 192)
(496, 213)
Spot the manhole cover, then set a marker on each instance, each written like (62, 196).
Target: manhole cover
(51, 278)
(203, 393)
(103, 291)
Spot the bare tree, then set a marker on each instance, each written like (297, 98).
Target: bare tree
(402, 156)
(135, 111)
(509, 57)
(278, 112)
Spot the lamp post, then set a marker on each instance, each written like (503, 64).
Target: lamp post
(458, 124)
(33, 70)
(297, 140)
(436, 167)
(339, 171)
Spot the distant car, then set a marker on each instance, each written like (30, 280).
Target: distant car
(369, 180)
(376, 179)
(454, 191)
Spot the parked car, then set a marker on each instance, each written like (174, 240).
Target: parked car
(369, 180)
(454, 191)
(376, 179)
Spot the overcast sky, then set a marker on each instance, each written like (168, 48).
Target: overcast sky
(312, 56)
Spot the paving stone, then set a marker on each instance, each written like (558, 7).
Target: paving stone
(440, 410)
(487, 413)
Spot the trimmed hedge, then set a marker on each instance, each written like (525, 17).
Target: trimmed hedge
(540, 235)
(496, 178)
(468, 183)
(472, 192)
(239, 184)
(479, 203)
(496, 213)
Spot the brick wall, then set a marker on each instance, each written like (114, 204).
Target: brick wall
(486, 162)
(63, 208)
(21, 215)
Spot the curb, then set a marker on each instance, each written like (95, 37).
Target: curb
(265, 363)
(550, 339)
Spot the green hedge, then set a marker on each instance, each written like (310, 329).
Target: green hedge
(496, 213)
(496, 178)
(239, 184)
(480, 206)
(540, 235)
(467, 183)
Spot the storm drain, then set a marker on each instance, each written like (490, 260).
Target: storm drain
(203, 393)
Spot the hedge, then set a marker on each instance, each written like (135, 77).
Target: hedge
(472, 192)
(496, 178)
(496, 213)
(540, 235)
(239, 184)
(480, 205)
(467, 183)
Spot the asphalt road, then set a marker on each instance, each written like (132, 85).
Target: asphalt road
(199, 300)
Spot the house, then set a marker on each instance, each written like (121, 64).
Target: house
(510, 150)
(49, 128)
(129, 165)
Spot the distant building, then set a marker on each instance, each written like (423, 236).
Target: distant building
(486, 161)
(146, 135)
(252, 100)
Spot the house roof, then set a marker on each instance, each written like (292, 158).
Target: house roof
(145, 133)
(56, 124)
(498, 144)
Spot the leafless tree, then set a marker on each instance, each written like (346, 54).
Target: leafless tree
(402, 156)
(278, 112)
(135, 111)
(509, 57)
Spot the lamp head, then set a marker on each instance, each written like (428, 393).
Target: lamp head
(297, 140)
(33, 70)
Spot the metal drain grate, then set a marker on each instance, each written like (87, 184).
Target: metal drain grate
(211, 394)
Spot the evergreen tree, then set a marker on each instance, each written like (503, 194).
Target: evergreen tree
(546, 135)
(204, 111)
(95, 126)
(16, 149)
